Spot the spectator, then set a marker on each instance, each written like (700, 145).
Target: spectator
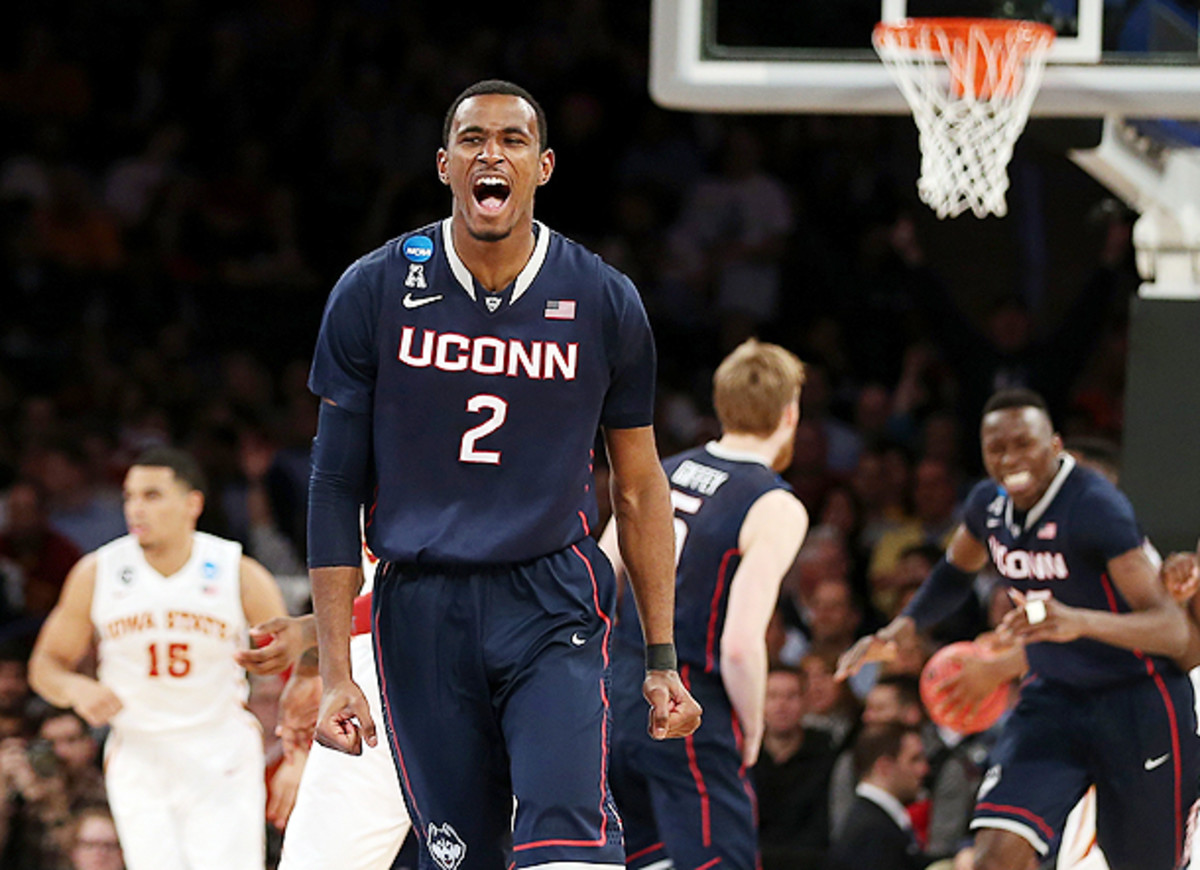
(890, 761)
(791, 778)
(44, 780)
(831, 706)
(93, 843)
(78, 508)
(43, 555)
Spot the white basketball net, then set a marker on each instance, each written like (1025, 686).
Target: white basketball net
(970, 92)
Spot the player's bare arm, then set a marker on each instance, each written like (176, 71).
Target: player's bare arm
(63, 641)
(642, 509)
(1156, 624)
(770, 537)
(344, 720)
(275, 638)
(965, 554)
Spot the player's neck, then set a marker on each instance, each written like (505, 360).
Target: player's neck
(755, 445)
(169, 557)
(495, 264)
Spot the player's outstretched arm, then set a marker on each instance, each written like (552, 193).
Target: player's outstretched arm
(61, 645)
(947, 586)
(1155, 624)
(642, 508)
(770, 537)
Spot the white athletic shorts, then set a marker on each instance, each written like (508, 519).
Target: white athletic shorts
(189, 800)
(349, 813)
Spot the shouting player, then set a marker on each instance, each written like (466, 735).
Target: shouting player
(1103, 703)
(737, 530)
(464, 371)
(184, 762)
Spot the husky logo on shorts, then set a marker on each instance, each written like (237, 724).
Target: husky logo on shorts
(446, 846)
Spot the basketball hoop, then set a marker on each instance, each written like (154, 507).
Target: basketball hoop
(971, 83)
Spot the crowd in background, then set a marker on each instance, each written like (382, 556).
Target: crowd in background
(181, 183)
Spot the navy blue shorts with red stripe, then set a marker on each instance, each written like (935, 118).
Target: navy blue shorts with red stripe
(1135, 742)
(690, 801)
(495, 688)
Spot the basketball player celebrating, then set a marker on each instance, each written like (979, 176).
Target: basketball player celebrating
(738, 528)
(170, 606)
(464, 371)
(1103, 704)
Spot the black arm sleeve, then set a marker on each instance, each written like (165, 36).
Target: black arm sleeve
(943, 592)
(337, 486)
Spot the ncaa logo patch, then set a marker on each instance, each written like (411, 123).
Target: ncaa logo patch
(418, 249)
(209, 570)
(445, 846)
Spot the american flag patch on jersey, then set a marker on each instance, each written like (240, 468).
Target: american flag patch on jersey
(1047, 532)
(560, 309)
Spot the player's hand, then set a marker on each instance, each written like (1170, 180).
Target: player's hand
(975, 681)
(275, 644)
(344, 720)
(285, 785)
(299, 705)
(1181, 576)
(673, 710)
(95, 702)
(1040, 619)
(882, 646)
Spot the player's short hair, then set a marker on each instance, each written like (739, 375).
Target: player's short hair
(879, 740)
(497, 86)
(753, 385)
(1015, 397)
(187, 470)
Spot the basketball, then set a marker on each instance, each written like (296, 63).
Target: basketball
(945, 664)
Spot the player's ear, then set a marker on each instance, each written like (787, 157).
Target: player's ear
(545, 166)
(195, 501)
(443, 169)
(1056, 442)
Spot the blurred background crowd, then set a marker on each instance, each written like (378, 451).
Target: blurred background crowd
(182, 182)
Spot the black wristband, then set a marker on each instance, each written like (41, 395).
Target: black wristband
(661, 657)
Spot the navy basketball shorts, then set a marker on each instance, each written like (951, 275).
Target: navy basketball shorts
(495, 691)
(1136, 742)
(685, 802)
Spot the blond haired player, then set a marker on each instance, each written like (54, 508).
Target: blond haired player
(169, 606)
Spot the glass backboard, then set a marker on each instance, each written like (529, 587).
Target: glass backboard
(1132, 58)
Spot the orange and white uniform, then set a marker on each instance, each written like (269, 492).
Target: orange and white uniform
(184, 762)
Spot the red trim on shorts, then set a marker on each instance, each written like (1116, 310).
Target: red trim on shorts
(713, 863)
(603, 838)
(714, 610)
(643, 852)
(391, 730)
(1038, 821)
(583, 519)
(697, 776)
(1177, 764)
(1172, 720)
(370, 517)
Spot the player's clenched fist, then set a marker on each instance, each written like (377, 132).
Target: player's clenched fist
(344, 720)
(673, 710)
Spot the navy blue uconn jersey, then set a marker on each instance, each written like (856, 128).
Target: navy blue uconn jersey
(711, 492)
(485, 405)
(1063, 544)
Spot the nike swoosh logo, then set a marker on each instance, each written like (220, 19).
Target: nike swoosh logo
(578, 639)
(409, 302)
(1152, 763)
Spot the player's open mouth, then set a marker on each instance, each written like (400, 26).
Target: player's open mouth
(1018, 480)
(491, 193)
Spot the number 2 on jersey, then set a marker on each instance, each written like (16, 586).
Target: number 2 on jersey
(467, 451)
(177, 664)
